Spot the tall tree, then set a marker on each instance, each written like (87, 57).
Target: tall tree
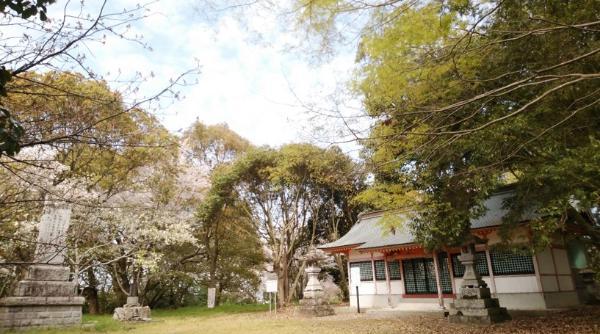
(466, 96)
(283, 191)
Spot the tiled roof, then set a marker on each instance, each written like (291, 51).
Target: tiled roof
(369, 233)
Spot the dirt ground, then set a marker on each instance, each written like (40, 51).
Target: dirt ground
(584, 320)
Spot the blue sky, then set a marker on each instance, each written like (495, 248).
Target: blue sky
(249, 78)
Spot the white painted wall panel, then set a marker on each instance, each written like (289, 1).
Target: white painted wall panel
(382, 288)
(356, 256)
(513, 284)
(365, 288)
(397, 287)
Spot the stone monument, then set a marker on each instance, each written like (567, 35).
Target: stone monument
(313, 303)
(474, 303)
(45, 297)
(132, 311)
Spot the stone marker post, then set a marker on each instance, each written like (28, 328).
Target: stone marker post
(46, 297)
(211, 297)
(474, 303)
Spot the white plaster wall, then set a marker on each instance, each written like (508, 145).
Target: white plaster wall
(382, 287)
(545, 263)
(373, 301)
(486, 279)
(356, 256)
(364, 288)
(397, 287)
(516, 284)
(562, 261)
(522, 301)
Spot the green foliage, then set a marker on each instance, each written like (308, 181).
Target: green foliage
(213, 145)
(25, 8)
(10, 133)
(293, 197)
(10, 129)
(460, 110)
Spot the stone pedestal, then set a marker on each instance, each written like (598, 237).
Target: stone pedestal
(474, 304)
(313, 303)
(45, 298)
(132, 311)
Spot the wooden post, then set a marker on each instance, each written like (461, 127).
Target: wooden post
(488, 258)
(451, 272)
(437, 280)
(357, 301)
(387, 280)
(348, 276)
(374, 278)
(403, 285)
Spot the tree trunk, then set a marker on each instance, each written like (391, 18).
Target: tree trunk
(120, 280)
(91, 293)
(343, 276)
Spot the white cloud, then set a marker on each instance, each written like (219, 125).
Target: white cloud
(250, 83)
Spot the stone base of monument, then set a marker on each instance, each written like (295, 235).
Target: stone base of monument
(315, 308)
(132, 311)
(313, 304)
(45, 298)
(474, 305)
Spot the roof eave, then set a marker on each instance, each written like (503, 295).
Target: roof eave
(339, 249)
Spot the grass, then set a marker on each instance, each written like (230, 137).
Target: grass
(104, 323)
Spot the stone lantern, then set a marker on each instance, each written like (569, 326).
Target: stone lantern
(474, 303)
(313, 303)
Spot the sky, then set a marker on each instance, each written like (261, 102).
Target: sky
(249, 78)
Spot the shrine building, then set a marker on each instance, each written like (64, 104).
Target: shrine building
(396, 272)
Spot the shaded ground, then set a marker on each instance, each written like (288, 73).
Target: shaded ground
(230, 321)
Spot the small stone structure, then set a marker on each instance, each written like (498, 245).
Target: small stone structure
(314, 303)
(132, 311)
(45, 297)
(474, 303)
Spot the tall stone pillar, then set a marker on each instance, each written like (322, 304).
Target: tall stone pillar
(474, 303)
(46, 297)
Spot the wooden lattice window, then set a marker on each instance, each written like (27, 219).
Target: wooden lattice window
(480, 265)
(366, 271)
(394, 270)
(380, 270)
(509, 263)
(419, 277)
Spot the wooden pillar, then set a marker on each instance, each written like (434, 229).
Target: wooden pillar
(451, 272)
(488, 258)
(373, 269)
(387, 280)
(348, 276)
(555, 267)
(436, 268)
(403, 285)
